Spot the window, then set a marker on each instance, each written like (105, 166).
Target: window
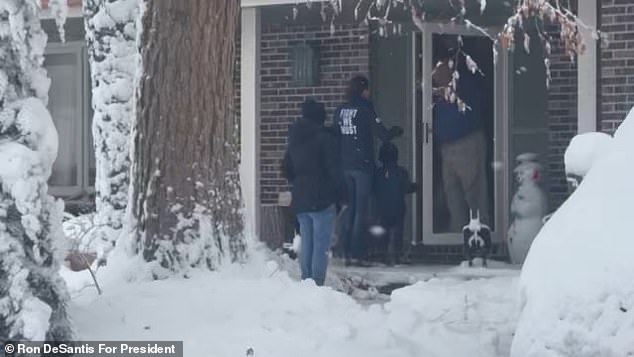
(305, 65)
(69, 104)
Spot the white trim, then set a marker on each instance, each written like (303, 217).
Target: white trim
(587, 71)
(65, 47)
(250, 119)
(502, 146)
(75, 11)
(256, 3)
(416, 214)
(452, 28)
(427, 142)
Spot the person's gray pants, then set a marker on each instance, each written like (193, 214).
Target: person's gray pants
(465, 179)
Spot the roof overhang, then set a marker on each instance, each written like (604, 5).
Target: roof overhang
(74, 9)
(256, 3)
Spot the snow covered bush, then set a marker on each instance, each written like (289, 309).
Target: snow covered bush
(583, 152)
(576, 290)
(111, 36)
(32, 294)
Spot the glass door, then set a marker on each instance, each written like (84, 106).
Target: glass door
(462, 151)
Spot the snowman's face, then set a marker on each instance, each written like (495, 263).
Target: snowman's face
(528, 172)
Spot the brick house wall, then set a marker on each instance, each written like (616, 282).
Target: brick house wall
(616, 73)
(562, 120)
(341, 55)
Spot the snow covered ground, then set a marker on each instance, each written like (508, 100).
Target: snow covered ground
(449, 312)
(574, 296)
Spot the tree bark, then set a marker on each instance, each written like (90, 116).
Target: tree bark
(186, 198)
(111, 37)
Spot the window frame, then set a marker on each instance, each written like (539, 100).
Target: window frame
(83, 111)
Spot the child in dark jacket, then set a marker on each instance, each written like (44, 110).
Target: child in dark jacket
(391, 184)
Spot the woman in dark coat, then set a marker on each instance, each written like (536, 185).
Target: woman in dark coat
(311, 165)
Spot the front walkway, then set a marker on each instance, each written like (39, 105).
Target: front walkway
(375, 284)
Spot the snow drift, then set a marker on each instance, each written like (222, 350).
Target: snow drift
(258, 306)
(576, 291)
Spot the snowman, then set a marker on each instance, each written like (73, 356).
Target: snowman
(528, 207)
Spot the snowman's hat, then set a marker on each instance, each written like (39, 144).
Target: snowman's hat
(527, 156)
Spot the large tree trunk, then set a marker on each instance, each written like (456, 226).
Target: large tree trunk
(187, 200)
(111, 37)
(33, 296)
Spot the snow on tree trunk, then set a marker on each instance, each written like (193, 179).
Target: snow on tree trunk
(186, 193)
(32, 294)
(111, 35)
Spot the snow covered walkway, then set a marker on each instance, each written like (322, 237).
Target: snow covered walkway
(260, 306)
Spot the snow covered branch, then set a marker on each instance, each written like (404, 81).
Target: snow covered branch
(111, 36)
(32, 294)
(540, 13)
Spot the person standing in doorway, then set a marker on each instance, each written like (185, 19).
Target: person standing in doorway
(311, 165)
(461, 139)
(358, 125)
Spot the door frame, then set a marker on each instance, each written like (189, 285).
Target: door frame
(500, 140)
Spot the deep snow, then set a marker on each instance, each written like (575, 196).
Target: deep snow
(260, 306)
(576, 287)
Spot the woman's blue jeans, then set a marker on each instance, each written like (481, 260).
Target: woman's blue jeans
(316, 231)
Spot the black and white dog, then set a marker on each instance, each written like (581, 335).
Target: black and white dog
(477, 239)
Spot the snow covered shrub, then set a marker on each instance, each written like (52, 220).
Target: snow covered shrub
(576, 291)
(32, 294)
(583, 151)
(111, 36)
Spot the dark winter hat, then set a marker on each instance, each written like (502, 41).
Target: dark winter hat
(445, 47)
(388, 153)
(314, 111)
(357, 85)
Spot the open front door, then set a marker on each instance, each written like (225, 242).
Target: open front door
(443, 188)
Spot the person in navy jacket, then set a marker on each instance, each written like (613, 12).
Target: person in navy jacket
(358, 125)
